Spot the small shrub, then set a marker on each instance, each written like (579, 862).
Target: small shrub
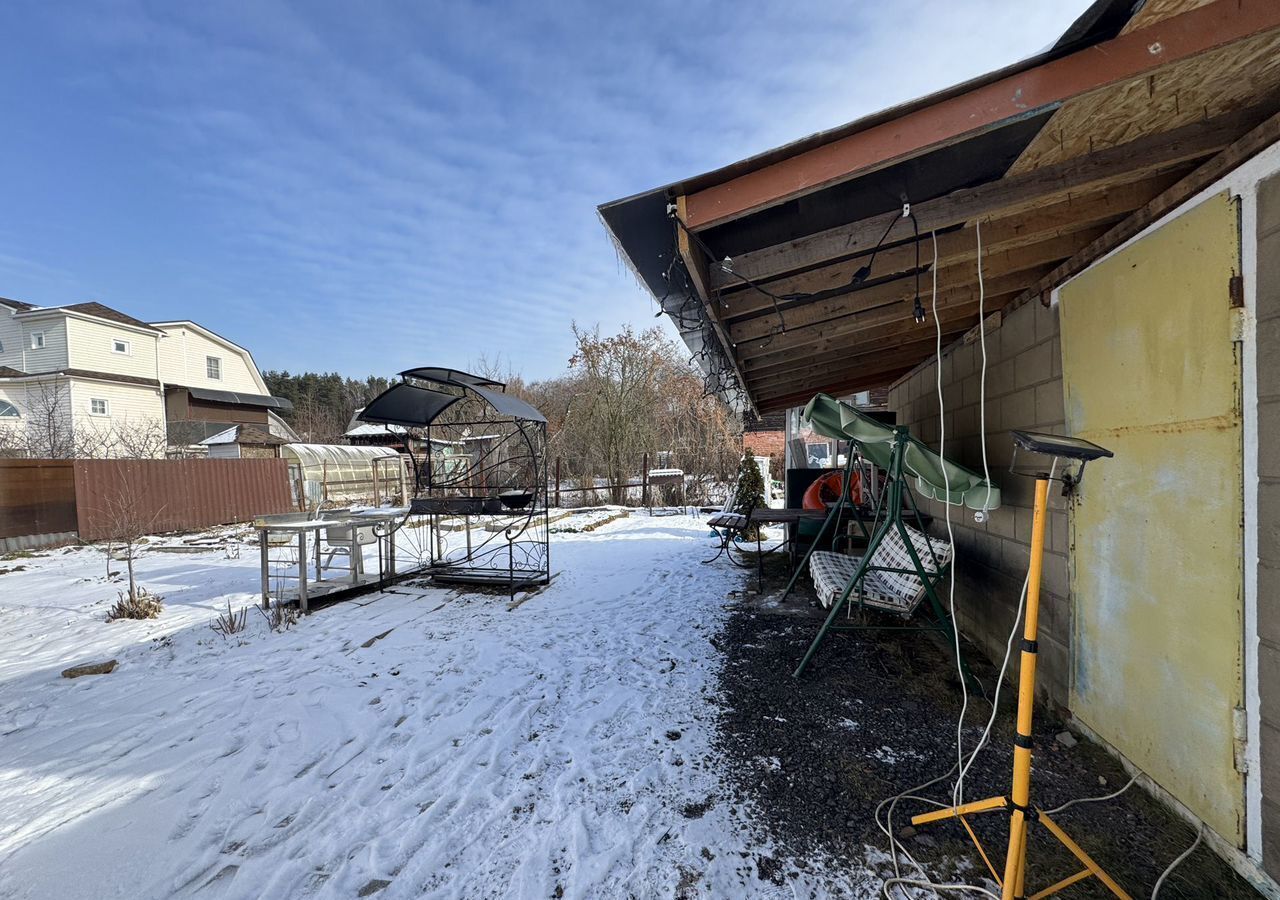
(229, 623)
(141, 604)
(279, 617)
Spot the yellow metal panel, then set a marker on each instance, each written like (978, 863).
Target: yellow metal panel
(1150, 371)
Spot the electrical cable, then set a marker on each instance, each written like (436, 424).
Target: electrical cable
(1155, 891)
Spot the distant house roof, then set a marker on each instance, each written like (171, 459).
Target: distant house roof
(16, 304)
(102, 311)
(93, 309)
(244, 434)
(10, 372)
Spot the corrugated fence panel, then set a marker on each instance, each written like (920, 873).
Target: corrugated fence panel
(177, 494)
(37, 496)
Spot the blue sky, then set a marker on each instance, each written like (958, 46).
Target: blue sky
(363, 187)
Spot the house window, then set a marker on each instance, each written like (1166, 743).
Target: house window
(213, 367)
(37, 340)
(119, 346)
(99, 407)
(8, 410)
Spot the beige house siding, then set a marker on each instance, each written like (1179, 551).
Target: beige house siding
(183, 355)
(10, 339)
(54, 354)
(128, 406)
(90, 347)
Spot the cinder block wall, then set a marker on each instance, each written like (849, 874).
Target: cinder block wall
(1268, 343)
(1024, 391)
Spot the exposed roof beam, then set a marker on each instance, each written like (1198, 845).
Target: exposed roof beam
(1139, 158)
(1121, 59)
(866, 367)
(901, 291)
(832, 351)
(1075, 211)
(863, 382)
(912, 350)
(1165, 202)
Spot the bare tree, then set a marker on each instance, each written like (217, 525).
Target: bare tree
(128, 516)
(49, 431)
(143, 438)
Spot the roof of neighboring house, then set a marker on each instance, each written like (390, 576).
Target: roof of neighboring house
(234, 398)
(244, 434)
(16, 304)
(10, 372)
(102, 311)
(771, 422)
(210, 333)
(93, 309)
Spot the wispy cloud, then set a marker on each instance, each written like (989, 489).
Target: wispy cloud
(369, 187)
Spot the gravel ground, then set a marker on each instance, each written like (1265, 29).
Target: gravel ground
(808, 761)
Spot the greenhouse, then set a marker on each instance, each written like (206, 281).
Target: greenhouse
(335, 473)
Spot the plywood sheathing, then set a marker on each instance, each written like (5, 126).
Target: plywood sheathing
(1208, 85)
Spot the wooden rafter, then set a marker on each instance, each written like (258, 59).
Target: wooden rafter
(901, 292)
(1166, 201)
(1144, 157)
(1023, 93)
(998, 234)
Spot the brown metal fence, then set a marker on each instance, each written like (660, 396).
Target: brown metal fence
(178, 494)
(37, 498)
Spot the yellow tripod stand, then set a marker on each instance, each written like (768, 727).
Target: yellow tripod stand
(1013, 882)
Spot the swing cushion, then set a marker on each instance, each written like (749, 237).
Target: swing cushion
(890, 591)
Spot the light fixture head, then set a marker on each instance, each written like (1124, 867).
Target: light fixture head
(862, 275)
(918, 312)
(726, 265)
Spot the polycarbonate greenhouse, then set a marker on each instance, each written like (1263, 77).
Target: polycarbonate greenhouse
(339, 473)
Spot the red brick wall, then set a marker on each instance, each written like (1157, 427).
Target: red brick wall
(768, 443)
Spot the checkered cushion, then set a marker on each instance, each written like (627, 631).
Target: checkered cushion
(890, 591)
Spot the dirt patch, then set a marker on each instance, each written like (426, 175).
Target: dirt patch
(875, 714)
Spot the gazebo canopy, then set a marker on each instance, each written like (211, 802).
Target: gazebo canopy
(413, 404)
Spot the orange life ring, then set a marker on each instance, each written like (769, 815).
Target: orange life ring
(828, 488)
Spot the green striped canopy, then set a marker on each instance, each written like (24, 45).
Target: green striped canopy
(936, 478)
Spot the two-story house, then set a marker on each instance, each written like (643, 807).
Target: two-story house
(89, 378)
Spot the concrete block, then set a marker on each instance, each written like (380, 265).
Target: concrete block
(1270, 833)
(1269, 214)
(1268, 276)
(1049, 403)
(966, 422)
(1033, 366)
(970, 390)
(1018, 410)
(1000, 378)
(1269, 674)
(1001, 522)
(1059, 532)
(1054, 577)
(1014, 558)
(1022, 524)
(1268, 442)
(964, 361)
(1046, 321)
(1055, 357)
(1018, 331)
(1268, 344)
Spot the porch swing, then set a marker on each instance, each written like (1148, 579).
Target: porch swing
(902, 564)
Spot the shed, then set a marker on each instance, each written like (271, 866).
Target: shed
(243, 442)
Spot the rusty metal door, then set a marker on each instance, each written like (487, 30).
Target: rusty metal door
(1151, 370)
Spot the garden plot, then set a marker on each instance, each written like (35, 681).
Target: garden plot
(416, 742)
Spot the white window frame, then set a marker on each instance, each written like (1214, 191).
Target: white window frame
(106, 406)
(121, 346)
(37, 340)
(212, 365)
(9, 410)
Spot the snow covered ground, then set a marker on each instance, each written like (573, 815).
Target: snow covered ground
(420, 742)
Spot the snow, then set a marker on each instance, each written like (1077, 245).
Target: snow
(425, 737)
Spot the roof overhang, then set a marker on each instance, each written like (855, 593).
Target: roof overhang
(1055, 161)
(233, 398)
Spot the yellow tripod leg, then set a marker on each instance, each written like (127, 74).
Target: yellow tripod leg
(966, 809)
